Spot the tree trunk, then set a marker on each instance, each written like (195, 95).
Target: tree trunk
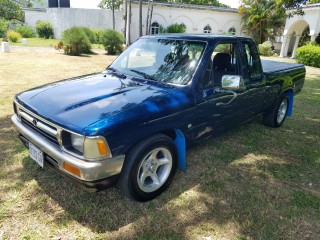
(140, 18)
(113, 17)
(125, 18)
(147, 21)
(128, 24)
(150, 17)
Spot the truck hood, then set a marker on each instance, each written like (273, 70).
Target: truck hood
(79, 102)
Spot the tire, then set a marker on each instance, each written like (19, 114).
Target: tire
(149, 168)
(278, 113)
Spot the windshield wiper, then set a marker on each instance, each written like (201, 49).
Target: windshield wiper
(145, 75)
(116, 71)
(149, 77)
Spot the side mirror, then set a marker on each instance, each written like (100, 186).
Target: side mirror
(232, 82)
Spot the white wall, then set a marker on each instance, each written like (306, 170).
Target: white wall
(195, 19)
(64, 18)
(220, 20)
(311, 17)
(32, 16)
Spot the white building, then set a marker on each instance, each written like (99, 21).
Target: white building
(296, 25)
(197, 19)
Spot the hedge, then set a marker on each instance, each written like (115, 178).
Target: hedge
(25, 31)
(265, 49)
(13, 36)
(309, 55)
(75, 41)
(44, 29)
(112, 41)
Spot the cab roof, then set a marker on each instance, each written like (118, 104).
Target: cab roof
(200, 36)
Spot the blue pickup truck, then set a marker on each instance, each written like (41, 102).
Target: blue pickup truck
(131, 124)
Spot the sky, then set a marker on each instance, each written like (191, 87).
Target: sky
(94, 3)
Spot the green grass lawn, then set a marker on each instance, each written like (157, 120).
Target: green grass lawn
(41, 42)
(253, 182)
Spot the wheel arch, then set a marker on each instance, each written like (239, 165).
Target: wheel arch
(178, 139)
(290, 93)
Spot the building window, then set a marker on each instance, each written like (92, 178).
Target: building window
(232, 31)
(155, 28)
(207, 29)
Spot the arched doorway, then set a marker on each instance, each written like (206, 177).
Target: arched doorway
(292, 38)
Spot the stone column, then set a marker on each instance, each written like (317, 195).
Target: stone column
(295, 46)
(284, 46)
(313, 37)
(5, 47)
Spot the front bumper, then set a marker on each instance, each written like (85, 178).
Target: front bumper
(94, 175)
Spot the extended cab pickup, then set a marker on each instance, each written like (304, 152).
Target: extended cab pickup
(131, 124)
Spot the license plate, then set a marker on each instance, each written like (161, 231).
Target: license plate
(36, 154)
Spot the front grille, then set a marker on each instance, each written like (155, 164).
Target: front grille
(45, 129)
(48, 136)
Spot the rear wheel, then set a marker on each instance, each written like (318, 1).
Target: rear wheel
(278, 113)
(149, 168)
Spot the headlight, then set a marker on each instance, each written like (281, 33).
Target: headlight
(77, 142)
(91, 148)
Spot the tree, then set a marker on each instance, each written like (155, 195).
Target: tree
(296, 5)
(10, 10)
(262, 18)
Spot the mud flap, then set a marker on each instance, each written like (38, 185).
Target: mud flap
(290, 107)
(180, 143)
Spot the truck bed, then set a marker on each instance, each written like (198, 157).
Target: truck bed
(271, 67)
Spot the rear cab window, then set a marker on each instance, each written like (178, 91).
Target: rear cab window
(252, 70)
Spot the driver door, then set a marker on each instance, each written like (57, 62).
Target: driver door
(216, 108)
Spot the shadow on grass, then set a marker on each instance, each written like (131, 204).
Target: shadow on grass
(230, 186)
(236, 184)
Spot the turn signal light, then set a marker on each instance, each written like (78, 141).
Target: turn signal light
(72, 169)
(102, 147)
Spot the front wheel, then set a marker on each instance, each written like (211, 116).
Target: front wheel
(278, 113)
(149, 168)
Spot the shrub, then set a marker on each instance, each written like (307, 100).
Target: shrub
(265, 49)
(75, 42)
(3, 26)
(25, 31)
(90, 34)
(13, 36)
(112, 41)
(59, 45)
(176, 28)
(44, 29)
(309, 55)
(97, 33)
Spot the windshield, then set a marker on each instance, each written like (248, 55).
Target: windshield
(165, 60)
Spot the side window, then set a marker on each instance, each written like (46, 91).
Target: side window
(252, 67)
(224, 61)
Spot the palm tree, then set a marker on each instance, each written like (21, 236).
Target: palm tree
(261, 18)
